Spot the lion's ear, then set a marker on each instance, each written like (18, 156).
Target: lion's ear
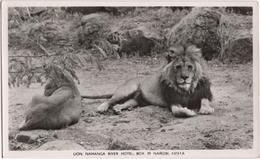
(168, 57)
(170, 54)
(192, 49)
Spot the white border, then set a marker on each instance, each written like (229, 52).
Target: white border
(250, 153)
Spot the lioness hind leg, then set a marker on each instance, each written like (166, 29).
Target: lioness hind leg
(34, 119)
(180, 111)
(128, 104)
(205, 108)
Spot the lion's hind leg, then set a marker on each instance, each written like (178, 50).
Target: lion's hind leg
(122, 94)
(131, 103)
(179, 111)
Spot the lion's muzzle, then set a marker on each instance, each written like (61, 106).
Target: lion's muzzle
(184, 86)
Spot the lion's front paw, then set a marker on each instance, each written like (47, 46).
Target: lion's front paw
(117, 109)
(179, 111)
(205, 108)
(103, 107)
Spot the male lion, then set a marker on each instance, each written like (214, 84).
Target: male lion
(181, 85)
(60, 105)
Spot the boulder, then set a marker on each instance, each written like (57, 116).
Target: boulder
(144, 31)
(58, 145)
(93, 27)
(219, 34)
(140, 39)
(199, 27)
(241, 50)
(136, 40)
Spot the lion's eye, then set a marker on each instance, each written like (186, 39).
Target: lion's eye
(172, 51)
(190, 67)
(178, 67)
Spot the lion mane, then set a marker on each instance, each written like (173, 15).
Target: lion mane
(200, 84)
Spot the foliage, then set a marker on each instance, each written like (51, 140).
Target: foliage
(235, 30)
(42, 40)
(23, 71)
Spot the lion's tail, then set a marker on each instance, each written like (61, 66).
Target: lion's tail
(104, 96)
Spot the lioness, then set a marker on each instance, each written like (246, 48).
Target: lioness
(59, 107)
(181, 85)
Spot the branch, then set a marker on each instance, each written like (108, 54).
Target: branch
(28, 12)
(101, 51)
(42, 47)
(35, 55)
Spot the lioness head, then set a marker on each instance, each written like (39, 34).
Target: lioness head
(58, 77)
(184, 68)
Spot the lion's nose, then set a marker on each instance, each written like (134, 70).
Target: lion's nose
(184, 77)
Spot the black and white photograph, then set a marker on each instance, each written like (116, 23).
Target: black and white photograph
(130, 80)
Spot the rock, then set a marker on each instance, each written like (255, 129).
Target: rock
(11, 135)
(163, 130)
(95, 18)
(30, 136)
(55, 136)
(141, 34)
(136, 43)
(163, 120)
(60, 145)
(140, 39)
(199, 27)
(240, 50)
(93, 26)
(121, 145)
(88, 120)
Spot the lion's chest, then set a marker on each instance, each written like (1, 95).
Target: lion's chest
(191, 101)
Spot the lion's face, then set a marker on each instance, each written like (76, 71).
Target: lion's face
(183, 69)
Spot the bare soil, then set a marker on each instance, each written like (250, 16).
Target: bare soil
(149, 127)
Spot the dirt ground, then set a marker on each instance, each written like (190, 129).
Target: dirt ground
(149, 127)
